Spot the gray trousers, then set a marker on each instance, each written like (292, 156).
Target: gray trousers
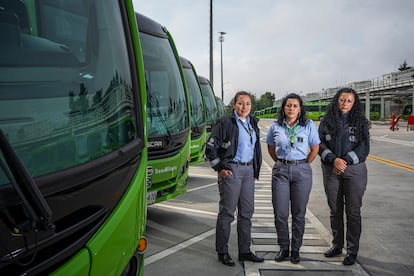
(346, 190)
(235, 191)
(290, 184)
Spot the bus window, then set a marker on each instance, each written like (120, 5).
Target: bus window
(211, 104)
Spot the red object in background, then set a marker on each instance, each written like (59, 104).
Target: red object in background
(394, 121)
(410, 122)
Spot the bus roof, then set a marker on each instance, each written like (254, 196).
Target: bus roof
(203, 80)
(186, 63)
(151, 27)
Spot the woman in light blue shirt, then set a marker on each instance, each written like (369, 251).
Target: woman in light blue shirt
(293, 143)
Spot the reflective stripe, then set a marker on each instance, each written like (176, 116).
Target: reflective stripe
(325, 153)
(214, 162)
(354, 157)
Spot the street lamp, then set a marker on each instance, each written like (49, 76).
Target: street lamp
(221, 39)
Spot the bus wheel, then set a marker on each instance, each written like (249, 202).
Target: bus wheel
(131, 268)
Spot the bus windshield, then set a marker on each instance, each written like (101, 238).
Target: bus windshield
(167, 105)
(196, 101)
(63, 102)
(210, 100)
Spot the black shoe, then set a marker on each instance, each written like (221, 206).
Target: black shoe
(350, 259)
(226, 259)
(250, 257)
(333, 251)
(282, 255)
(294, 257)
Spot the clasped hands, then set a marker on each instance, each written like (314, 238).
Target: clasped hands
(339, 166)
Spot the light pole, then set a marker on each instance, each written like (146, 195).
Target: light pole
(211, 42)
(221, 39)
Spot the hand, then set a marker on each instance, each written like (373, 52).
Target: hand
(336, 171)
(339, 166)
(224, 173)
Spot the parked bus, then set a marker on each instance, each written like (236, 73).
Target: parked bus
(72, 138)
(315, 110)
(198, 113)
(221, 108)
(374, 110)
(168, 115)
(268, 112)
(407, 111)
(210, 101)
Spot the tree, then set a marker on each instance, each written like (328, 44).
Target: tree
(404, 66)
(266, 100)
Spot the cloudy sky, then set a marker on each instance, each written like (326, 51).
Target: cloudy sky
(283, 46)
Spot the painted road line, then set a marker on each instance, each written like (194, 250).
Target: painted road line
(391, 163)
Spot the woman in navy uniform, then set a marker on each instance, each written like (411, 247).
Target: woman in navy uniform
(344, 134)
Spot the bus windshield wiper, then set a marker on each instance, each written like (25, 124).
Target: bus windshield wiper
(38, 211)
(155, 104)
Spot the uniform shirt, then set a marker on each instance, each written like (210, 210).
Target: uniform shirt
(280, 136)
(245, 141)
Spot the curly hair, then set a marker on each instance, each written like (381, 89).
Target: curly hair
(355, 117)
(302, 115)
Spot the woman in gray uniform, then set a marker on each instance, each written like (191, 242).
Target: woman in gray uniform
(234, 152)
(344, 134)
(293, 143)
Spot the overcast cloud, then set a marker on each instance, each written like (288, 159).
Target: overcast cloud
(286, 46)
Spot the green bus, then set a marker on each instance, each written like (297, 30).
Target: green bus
(221, 108)
(268, 112)
(198, 113)
(374, 110)
(407, 111)
(315, 110)
(72, 138)
(168, 113)
(210, 101)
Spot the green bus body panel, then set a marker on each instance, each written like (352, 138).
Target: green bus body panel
(169, 176)
(198, 148)
(117, 239)
(78, 265)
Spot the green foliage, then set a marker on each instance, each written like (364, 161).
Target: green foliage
(266, 100)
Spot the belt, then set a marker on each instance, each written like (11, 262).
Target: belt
(292, 162)
(243, 163)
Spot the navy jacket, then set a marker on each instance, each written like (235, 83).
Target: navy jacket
(222, 144)
(344, 145)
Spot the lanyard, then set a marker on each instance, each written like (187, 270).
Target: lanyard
(292, 133)
(248, 129)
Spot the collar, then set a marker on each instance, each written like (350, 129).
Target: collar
(238, 118)
(285, 124)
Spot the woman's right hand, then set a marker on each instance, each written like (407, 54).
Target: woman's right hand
(225, 173)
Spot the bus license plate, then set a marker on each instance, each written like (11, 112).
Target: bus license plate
(151, 197)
